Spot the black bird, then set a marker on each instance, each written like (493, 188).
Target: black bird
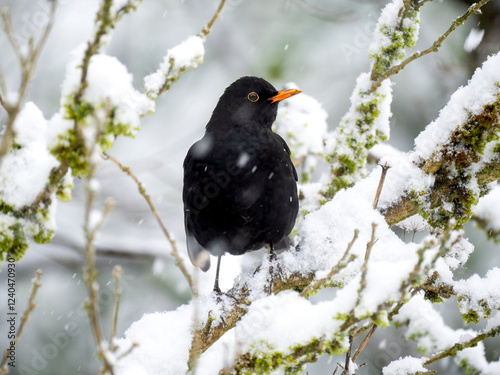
(240, 185)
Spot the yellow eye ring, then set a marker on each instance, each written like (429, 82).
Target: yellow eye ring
(253, 97)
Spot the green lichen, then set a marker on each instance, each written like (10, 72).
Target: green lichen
(432, 297)
(380, 318)
(264, 359)
(472, 315)
(416, 336)
(70, 149)
(403, 36)
(13, 242)
(78, 111)
(468, 368)
(43, 236)
(5, 208)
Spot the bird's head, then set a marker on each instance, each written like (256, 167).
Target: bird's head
(249, 101)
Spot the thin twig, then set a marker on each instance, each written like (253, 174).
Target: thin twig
(90, 271)
(103, 19)
(28, 64)
(9, 32)
(362, 284)
(24, 318)
(385, 168)
(452, 351)
(208, 27)
(364, 342)
(117, 274)
(174, 252)
(348, 357)
(474, 8)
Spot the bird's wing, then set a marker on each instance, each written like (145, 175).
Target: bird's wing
(199, 256)
(285, 146)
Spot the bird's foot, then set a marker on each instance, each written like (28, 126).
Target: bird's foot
(220, 293)
(273, 260)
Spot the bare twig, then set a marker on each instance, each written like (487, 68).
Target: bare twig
(348, 357)
(90, 272)
(28, 62)
(452, 351)
(385, 168)
(362, 284)
(364, 342)
(174, 252)
(24, 319)
(474, 8)
(208, 27)
(104, 22)
(117, 274)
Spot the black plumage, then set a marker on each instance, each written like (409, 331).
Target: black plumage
(240, 190)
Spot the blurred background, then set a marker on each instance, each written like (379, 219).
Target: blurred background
(319, 45)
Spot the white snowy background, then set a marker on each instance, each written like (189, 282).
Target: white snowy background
(278, 41)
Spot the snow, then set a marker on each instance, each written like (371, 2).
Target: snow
(25, 170)
(109, 89)
(403, 176)
(284, 321)
(302, 123)
(186, 55)
(473, 39)
(488, 209)
(482, 89)
(481, 295)
(403, 366)
(167, 349)
(256, 331)
(387, 34)
(361, 129)
(427, 328)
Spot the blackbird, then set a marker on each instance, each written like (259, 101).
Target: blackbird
(240, 185)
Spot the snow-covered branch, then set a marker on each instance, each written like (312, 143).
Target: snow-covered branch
(367, 121)
(458, 153)
(343, 240)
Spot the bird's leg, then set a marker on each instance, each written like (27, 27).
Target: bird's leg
(216, 284)
(272, 258)
(217, 289)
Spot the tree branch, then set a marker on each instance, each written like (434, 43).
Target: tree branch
(173, 244)
(28, 64)
(474, 8)
(453, 350)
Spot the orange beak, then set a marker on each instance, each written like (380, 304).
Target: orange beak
(283, 94)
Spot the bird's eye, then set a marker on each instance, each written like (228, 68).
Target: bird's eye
(253, 97)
